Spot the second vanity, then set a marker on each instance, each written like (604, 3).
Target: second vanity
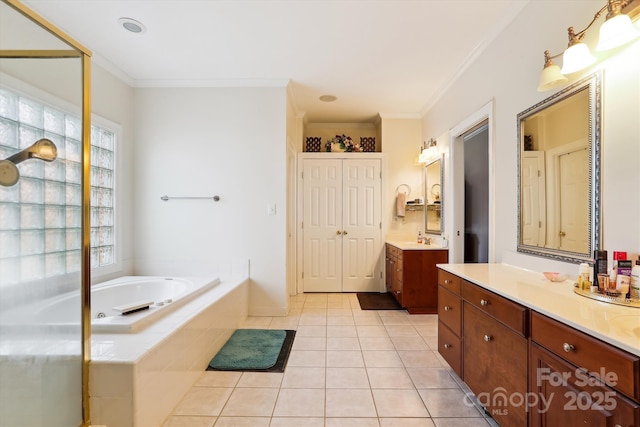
(412, 275)
(534, 352)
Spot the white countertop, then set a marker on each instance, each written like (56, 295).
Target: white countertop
(414, 246)
(615, 324)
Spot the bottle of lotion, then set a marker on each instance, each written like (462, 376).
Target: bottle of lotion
(634, 290)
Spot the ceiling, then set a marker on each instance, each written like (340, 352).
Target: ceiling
(388, 57)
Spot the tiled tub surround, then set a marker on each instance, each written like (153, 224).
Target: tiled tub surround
(137, 379)
(556, 300)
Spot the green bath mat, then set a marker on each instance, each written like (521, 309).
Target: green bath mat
(254, 350)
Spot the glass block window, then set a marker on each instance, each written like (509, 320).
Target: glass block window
(40, 216)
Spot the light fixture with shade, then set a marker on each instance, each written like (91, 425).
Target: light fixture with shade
(616, 31)
(428, 151)
(551, 76)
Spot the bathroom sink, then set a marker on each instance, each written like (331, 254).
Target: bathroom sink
(627, 325)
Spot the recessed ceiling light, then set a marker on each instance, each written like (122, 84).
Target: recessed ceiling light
(328, 98)
(132, 25)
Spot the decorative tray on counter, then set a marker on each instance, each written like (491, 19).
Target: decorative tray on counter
(612, 299)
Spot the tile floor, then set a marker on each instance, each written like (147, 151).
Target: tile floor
(347, 368)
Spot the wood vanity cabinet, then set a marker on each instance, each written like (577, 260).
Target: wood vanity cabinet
(580, 380)
(412, 277)
(450, 320)
(495, 349)
(528, 369)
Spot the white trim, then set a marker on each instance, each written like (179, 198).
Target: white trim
(456, 177)
(201, 83)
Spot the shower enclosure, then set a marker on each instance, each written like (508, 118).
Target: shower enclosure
(44, 221)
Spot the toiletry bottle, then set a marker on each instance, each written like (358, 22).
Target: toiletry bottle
(419, 236)
(600, 265)
(583, 277)
(634, 291)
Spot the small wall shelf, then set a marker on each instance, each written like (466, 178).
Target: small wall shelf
(414, 207)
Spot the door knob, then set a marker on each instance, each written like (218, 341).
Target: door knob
(345, 232)
(338, 232)
(562, 234)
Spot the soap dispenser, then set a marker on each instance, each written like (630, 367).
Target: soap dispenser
(419, 236)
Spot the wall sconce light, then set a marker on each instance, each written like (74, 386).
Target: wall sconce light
(43, 149)
(616, 31)
(428, 151)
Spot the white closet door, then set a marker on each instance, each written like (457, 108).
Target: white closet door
(322, 221)
(361, 235)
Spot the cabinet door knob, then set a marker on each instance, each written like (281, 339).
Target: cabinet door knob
(447, 308)
(484, 302)
(488, 338)
(448, 282)
(447, 346)
(568, 347)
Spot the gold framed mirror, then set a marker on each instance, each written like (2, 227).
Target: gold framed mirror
(559, 173)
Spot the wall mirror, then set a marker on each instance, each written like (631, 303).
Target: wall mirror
(559, 174)
(433, 177)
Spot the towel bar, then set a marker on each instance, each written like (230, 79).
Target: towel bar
(167, 198)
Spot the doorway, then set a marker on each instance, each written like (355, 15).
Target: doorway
(472, 213)
(476, 194)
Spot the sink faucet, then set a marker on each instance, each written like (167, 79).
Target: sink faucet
(427, 240)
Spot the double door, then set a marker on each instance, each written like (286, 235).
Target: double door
(341, 226)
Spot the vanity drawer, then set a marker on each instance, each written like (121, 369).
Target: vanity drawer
(450, 348)
(510, 313)
(621, 369)
(449, 281)
(450, 310)
(392, 250)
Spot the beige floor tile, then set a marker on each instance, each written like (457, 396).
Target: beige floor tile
(427, 330)
(340, 321)
(461, 422)
(309, 343)
(420, 359)
(203, 401)
(251, 402)
(401, 331)
(343, 343)
(254, 321)
(311, 358)
(340, 312)
(395, 320)
(431, 378)
(409, 343)
(311, 331)
(423, 319)
(347, 378)
(284, 323)
(382, 359)
(300, 403)
(188, 421)
(371, 330)
(432, 342)
(406, 422)
(295, 422)
(243, 422)
(352, 422)
(448, 403)
(299, 377)
(218, 379)
(344, 359)
(342, 331)
(389, 378)
(376, 343)
(399, 403)
(312, 319)
(354, 403)
(367, 320)
(260, 379)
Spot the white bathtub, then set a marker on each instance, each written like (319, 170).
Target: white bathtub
(164, 294)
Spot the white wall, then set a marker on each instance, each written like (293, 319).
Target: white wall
(229, 142)
(507, 72)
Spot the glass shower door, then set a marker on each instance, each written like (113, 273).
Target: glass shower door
(43, 342)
